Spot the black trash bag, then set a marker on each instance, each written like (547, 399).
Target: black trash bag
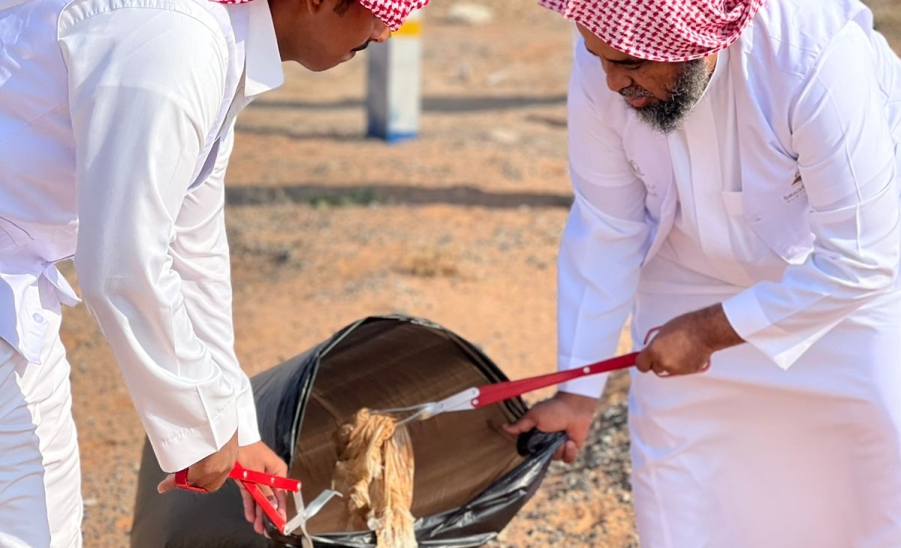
(471, 478)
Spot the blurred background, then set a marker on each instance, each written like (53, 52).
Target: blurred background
(460, 226)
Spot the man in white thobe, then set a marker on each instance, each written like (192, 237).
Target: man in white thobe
(735, 167)
(116, 125)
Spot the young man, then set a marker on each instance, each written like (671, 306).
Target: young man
(116, 125)
(735, 167)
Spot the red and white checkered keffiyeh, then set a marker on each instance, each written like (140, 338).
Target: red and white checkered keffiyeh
(662, 30)
(391, 12)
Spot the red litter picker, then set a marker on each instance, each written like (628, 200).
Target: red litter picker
(466, 400)
(475, 398)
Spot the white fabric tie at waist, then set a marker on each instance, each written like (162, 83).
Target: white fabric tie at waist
(33, 296)
(64, 291)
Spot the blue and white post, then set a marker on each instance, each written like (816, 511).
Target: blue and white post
(394, 84)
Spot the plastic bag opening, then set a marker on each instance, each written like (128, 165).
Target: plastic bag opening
(380, 366)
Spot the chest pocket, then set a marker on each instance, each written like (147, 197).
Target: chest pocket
(779, 217)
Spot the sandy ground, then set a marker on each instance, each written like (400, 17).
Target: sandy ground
(460, 226)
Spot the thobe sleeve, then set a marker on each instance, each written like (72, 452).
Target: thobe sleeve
(847, 163)
(145, 88)
(606, 235)
(200, 257)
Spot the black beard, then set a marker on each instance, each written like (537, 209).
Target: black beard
(667, 116)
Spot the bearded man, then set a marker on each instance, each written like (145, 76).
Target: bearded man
(735, 167)
(116, 126)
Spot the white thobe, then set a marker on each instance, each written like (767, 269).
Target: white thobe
(116, 121)
(778, 198)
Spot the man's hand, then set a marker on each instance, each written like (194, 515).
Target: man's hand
(684, 344)
(564, 412)
(209, 473)
(259, 457)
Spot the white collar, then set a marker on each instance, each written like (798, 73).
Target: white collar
(722, 59)
(262, 61)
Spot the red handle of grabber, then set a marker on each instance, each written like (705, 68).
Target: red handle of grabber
(242, 474)
(501, 391)
(250, 479)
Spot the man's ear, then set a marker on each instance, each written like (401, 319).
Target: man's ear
(318, 5)
(313, 6)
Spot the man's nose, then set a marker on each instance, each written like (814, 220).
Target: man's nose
(617, 78)
(380, 33)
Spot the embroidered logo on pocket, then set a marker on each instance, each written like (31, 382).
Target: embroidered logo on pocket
(797, 190)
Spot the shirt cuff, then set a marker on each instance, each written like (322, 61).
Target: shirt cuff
(248, 428)
(750, 322)
(195, 444)
(745, 314)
